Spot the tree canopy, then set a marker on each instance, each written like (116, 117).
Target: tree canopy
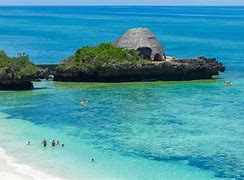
(103, 55)
(16, 68)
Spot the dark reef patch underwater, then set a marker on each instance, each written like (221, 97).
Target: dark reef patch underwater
(132, 124)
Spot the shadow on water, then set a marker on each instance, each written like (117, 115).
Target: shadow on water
(40, 88)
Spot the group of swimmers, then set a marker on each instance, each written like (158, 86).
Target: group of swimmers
(44, 143)
(54, 143)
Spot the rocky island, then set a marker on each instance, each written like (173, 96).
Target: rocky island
(16, 73)
(136, 56)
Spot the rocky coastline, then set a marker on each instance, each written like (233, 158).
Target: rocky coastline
(135, 56)
(170, 70)
(16, 73)
(16, 85)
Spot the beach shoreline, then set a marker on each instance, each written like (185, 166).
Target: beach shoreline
(10, 168)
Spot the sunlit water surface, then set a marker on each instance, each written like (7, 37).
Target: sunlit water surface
(174, 130)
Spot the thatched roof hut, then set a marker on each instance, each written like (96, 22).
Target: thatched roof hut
(144, 41)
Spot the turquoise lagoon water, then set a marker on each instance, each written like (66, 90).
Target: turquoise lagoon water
(158, 130)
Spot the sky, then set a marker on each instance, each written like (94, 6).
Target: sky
(122, 2)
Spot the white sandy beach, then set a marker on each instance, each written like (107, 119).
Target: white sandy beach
(10, 169)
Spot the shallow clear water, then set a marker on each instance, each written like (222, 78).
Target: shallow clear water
(173, 130)
(133, 131)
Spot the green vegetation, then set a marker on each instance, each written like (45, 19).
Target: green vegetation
(103, 55)
(16, 68)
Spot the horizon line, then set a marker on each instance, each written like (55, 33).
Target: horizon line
(178, 5)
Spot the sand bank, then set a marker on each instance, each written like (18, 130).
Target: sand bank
(11, 169)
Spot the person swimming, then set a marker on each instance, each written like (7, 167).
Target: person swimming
(62, 145)
(28, 143)
(53, 143)
(44, 142)
(92, 160)
(228, 83)
(84, 102)
(57, 142)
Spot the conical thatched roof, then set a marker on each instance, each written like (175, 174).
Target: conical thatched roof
(144, 41)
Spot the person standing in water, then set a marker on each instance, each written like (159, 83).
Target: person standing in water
(57, 142)
(44, 142)
(53, 143)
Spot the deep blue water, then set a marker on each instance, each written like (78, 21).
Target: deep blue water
(138, 130)
(49, 34)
